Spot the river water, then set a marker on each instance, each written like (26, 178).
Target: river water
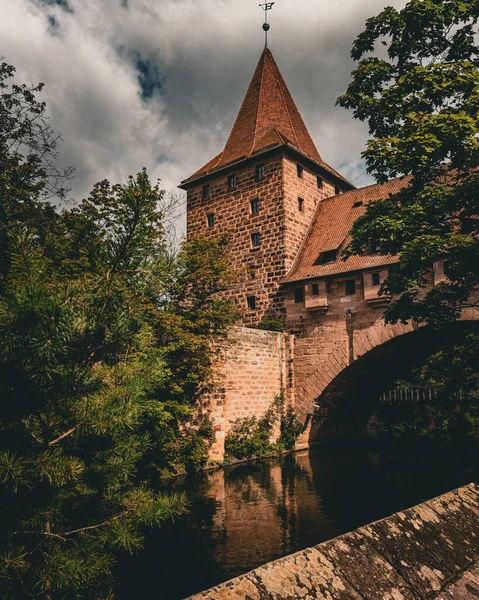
(253, 513)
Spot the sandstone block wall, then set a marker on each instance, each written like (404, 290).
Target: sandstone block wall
(327, 343)
(255, 368)
(280, 223)
(306, 188)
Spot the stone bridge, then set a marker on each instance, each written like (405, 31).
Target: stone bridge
(331, 366)
(346, 357)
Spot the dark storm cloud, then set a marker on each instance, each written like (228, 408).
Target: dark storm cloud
(61, 3)
(149, 77)
(168, 98)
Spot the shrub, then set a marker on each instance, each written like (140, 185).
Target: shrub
(251, 437)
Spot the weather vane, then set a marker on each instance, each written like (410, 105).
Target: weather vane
(267, 6)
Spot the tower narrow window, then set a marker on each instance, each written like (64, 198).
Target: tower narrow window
(299, 171)
(315, 289)
(299, 295)
(255, 240)
(350, 287)
(255, 206)
(206, 191)
(232, 182)
(259, 171)
(300, 205)
(376, 279)
(319, 182)
(251, 300)
(211, 220)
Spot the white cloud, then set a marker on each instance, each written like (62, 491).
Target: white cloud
(205, 52)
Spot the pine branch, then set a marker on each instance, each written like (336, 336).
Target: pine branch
(90, 527)
(63, 436)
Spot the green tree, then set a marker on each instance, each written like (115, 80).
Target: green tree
(79, 370)
(101, 330)
(416, 85)
(28, 151)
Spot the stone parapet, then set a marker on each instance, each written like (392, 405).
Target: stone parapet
(428, 551)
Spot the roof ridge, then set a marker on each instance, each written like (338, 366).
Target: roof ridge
(280, 87)
(261, 58)
(253, 147)
(297, 110)
(366, 187)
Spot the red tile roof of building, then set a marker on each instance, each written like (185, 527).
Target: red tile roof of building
(268, 118)
(329, 230)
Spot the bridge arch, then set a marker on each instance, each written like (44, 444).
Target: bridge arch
(347, 385)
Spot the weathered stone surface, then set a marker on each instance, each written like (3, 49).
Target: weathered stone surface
(466, 588)
(306, 575)
(254, 370)
(428, 551)
(359, 564)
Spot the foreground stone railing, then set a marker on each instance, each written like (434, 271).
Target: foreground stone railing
(428, 551)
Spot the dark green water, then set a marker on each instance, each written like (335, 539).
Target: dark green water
(253, 513)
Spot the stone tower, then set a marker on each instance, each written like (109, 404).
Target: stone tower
(262, 188)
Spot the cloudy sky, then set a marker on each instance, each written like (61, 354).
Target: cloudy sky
(157, 83)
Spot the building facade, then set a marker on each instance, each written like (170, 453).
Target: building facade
(289, 215)
(263, 189)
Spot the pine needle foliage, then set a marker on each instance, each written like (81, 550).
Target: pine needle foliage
(78, 370)
(105, 347)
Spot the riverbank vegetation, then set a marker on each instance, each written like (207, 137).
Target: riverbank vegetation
(104, 351)
(271, 435)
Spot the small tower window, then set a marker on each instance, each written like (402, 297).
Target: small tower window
(251, 300)
(315, 289)
(206, 191)
(211, 220)
(299, 171)
(232, 182)
(299, 295)
(259, 171)
(300, 205)
(255, 206)
(256, 240)
(319, 182)
(376, 279)
(350, 287)
(337, 190)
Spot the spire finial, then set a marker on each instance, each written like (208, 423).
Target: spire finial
(267, 6)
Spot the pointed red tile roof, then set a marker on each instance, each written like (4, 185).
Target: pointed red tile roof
(268, 118)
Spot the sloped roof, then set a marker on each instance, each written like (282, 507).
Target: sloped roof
(329, 230)
(268, 118)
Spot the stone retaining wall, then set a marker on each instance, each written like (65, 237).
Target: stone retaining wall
(255, 369)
